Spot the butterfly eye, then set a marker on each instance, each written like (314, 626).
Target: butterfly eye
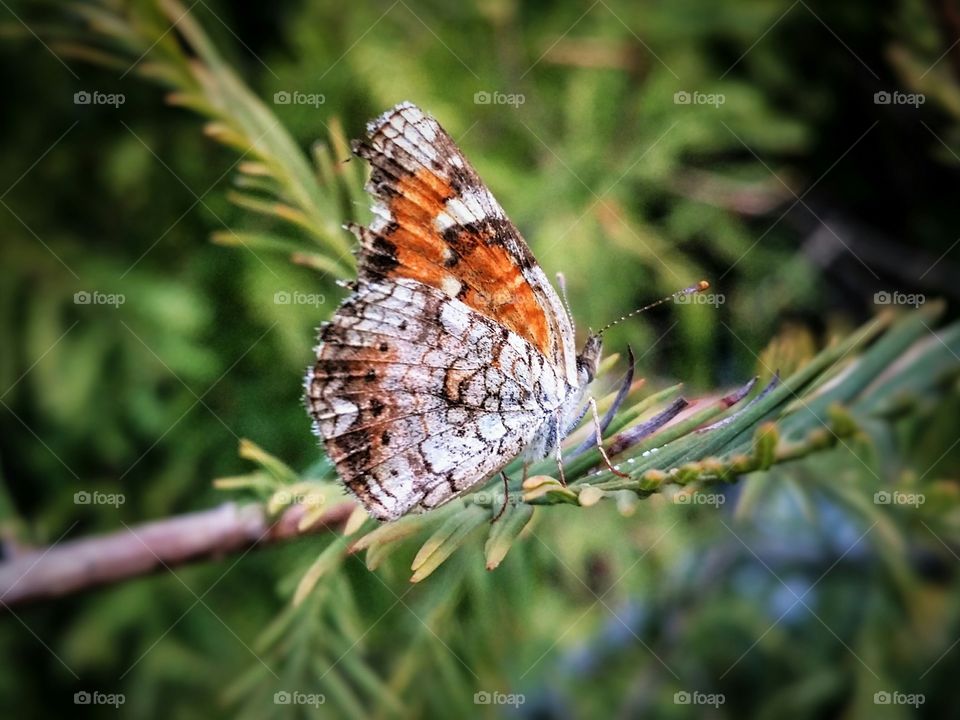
(588, 361)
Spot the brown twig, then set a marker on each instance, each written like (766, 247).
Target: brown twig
(77, 565)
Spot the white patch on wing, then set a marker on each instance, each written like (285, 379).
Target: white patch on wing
(397, 474)
(491, 427)
(473, 205)
(346, 414)
(548, 382)
(445, 452)
(411, 141)
(444, 221)
(478, 331)
(450, 285)
(308, 377)
(426, 126)
(382, 217)
(453, 320)
(428, 131)
(411, 113)
(382, 118)
(518, 344)
(403, 293)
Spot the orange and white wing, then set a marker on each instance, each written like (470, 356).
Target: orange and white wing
(437, 223)
(418, 398)
(454, 352)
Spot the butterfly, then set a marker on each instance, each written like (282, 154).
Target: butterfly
(453, 354)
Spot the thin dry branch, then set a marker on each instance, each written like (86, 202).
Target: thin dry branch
(85, 563)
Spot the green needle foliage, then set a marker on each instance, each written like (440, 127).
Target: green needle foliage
(789, 420)
(274, 178)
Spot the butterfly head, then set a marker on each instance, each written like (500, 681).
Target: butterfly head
(588, 361)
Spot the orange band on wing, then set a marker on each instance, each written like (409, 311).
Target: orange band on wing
(469, 262)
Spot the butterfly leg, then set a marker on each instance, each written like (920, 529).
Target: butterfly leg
(506, 497)
(603, 453)
(563, 479)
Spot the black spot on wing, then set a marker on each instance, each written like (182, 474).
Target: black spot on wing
(452, 258)
(464, 239)
(381, 258)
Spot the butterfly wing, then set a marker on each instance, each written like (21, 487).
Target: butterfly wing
(419, 397)
(454, 350)
(437, 223)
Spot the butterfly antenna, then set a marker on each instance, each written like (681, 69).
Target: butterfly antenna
(562, 284)
(697, 288)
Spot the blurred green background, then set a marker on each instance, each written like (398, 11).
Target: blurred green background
(639, 147)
